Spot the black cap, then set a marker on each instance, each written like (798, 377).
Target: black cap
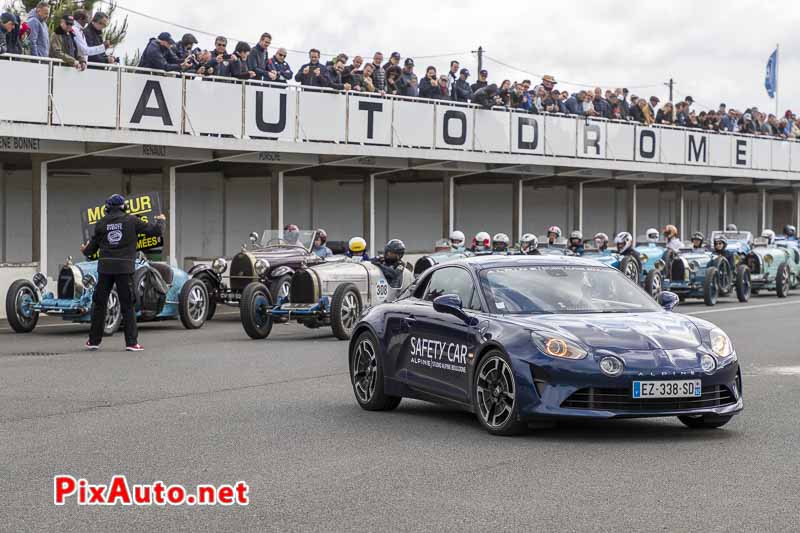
(69, 19)
(165, 36)
(690, 99)
(189, 39)
(484, 72)
(396, 54)
(409, 62)
(723, 105)
(5, 18)
(465, 72)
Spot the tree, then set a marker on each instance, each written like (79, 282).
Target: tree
(114, 33)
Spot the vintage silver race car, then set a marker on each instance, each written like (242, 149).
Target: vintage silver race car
(327, 294)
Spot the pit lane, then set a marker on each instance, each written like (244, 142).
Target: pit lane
(212, 406)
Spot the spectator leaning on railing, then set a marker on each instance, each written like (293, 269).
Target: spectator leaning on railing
(483, 75)
(278, 64)
(89, 37)
(8, 25)
(63, 44)
(462, 92)
(39, 37)
(158, 55)
(259, 55)
(378, 74)
(311, 73)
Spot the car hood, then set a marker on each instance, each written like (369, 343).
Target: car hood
(621, 331)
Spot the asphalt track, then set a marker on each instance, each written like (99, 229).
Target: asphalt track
(212, 406)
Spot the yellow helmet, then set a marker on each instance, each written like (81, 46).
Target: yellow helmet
(357, 245)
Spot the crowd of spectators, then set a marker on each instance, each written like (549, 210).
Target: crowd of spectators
(78, 40)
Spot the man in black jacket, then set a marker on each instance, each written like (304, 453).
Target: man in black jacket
(158, 55)
(9, 34)
(94, 37)
(115, 237)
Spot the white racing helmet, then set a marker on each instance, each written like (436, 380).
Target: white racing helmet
(554, 229)
(457, 239)
(625, 239)
(529, 241)
(500, 242)
(652, 234)
(600, 239)
(482, 242)
(769, 235)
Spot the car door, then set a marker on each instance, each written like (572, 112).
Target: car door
(439, 345)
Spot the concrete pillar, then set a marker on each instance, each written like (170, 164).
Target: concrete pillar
(276, 200)
(579, 224)
(448, 205)
(517, 205)
(169, 207)
(681, 211)
(369, 211)
(796, 198)
(632, 207)
(762, 214)
(3, 217)
(723, 209)
(39, 213)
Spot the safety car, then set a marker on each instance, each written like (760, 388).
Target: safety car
(518, 339)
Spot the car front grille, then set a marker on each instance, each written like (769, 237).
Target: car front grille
(241, 271)
(621, 400)
(754, 264)
(66, 283)
(303, 289)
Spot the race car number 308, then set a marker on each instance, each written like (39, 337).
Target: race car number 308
(667, 389)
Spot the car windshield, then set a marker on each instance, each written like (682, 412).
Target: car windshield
(273, 237)
(563, 290)
(744, 236)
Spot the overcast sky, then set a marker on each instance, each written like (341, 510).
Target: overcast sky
(716, 50)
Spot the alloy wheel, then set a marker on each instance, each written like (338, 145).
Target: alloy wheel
(495, 391)
(365, 370)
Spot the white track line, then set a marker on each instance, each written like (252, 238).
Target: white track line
(742, 308)
(76, 324)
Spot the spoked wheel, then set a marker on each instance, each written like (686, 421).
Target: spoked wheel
(711, 286)
(495, 396)
(743, 285)
(782, 281)
(255, 310)
(113, 314)
(630, 268)
(366, 375)
(193, 304)
(725, 275)
(652, 283)
(279, 289)
(345, 310)
(19, 301)
(705, 421)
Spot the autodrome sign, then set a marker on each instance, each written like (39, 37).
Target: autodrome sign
(145, 205)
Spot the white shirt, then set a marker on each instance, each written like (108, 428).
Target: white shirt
(675, 244)
(84, 49)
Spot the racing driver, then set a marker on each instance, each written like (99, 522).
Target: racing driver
(391, 263)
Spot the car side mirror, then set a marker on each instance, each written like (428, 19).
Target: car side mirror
(452, 305)
(668, 300)
(254, 237)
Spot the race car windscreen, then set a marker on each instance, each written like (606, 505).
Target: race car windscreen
(273, 237)
(563, 290)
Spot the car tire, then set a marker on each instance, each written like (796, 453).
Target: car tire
(113, 314)
(346, 308)
(212, 290)
(256, 298)
(279, 287)
(705, 421)
(782, 281)
(711, 286)
(652, 283)
(743, 285)
(20, 292)
(193, 304)
(630, 268)
(725, 275)
(495, 386)
(366, 375)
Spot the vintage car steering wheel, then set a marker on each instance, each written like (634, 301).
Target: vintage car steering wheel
(278, 241)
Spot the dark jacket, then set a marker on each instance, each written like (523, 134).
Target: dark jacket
(115, 236)
(427, 89)
(478, 85)
(462, 92)
(9, 41)
(310, 79)
(157, 57)
(332, 79)
(222, 68)
(574, 107)
(636, 114)
(63, 47)
(379, 78)
(94, 37)
(404, 86)
(240, 69)
(485, 96)
(283, 69)
(4, 41)
(257, 62)
(440, 93)
(602, 107)
(663, 118)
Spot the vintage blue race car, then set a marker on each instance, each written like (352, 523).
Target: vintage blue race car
(624, 263)
(519, 339)
(163, 292)
(698, 274)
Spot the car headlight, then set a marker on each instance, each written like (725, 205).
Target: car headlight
(694, 266)
(261, 267)
(720, 343)
(643, 257)
(40, 280)
(220, 265)
(88, 281)
(660, 264)
(558, 347)
(768, 259)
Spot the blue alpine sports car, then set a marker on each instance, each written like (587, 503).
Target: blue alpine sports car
(518, 339)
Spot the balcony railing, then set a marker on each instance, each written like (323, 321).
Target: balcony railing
(116, 97)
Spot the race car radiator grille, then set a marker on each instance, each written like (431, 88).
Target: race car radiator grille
(66, 283)
(621, 400)
(303, 289)
(241, 272)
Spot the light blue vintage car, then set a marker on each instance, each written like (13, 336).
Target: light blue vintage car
(774, 267)
(625, 264)
(162, 292)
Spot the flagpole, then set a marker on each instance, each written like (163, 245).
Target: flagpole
(777, 53)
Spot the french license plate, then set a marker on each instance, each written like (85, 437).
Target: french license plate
(690, 388)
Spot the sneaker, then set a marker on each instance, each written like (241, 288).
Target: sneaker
(90, 346)
(135, 348)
